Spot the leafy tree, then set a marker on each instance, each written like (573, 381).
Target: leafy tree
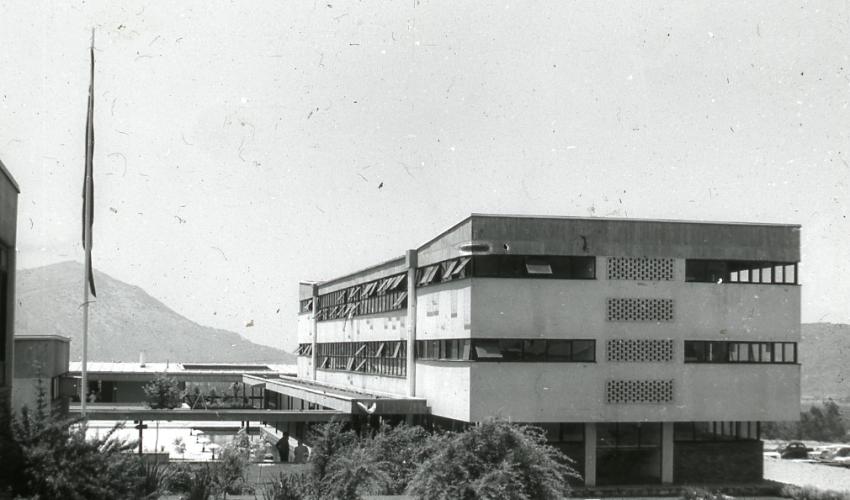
(819, 424)
(163, 392)
(402, 448)
(355, 473)
(329, 441)
(50, 457)
(494, 460)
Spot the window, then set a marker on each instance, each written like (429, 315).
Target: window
(507, 350)
(378, 296)
(387, 358)
(534, 350)
(487, 349)
(715, 431)
(701, 351)
(735, 271)
(538, 266)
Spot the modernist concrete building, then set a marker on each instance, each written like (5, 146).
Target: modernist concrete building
(8, 217)
(649, 350)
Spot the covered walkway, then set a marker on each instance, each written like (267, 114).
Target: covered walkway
(127, 412)
(343, 400)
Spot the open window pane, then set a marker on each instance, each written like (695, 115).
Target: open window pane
(448, 267)
(511, 349)
(537, 266)
(790, 274)
(487, 349)
(766, 352)
(789, 350)
(461, 266)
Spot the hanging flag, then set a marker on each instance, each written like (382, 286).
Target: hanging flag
(88, 185)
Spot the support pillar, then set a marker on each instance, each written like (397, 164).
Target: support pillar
(590, 454)
(410, 262)
(667, 452)
(315, 333)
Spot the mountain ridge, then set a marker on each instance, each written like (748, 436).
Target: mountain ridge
(124, 321)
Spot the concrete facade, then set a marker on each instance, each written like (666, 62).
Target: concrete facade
(41, 360)
(8, 227)
(632, 288)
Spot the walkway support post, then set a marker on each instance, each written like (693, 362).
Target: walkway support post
(410, 262)
(590, 454)
(667, 452)
(315, 326)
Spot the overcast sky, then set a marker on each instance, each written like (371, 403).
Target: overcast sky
(244, 146)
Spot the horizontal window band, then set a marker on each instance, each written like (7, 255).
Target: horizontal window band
(361, 373)
(740, 352)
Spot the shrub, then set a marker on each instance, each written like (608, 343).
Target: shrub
(812, 493)
(701, 494)
(156, 477)
(49, 456)
(355, 473)
(163, 392)
(329, 440)
(403, 448)
(200, 484)
(290, 487)
(494, 460)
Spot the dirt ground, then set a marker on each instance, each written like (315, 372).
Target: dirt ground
(803, 473)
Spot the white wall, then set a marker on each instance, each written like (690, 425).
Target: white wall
(505, 308)
(446, 386)
(563, 392)
(443, 310)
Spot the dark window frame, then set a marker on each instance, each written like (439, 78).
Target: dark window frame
(480, 349)
(747, 272)
(753, 350)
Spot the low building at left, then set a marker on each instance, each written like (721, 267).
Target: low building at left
(8, 217)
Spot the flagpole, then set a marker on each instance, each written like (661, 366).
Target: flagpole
(87, 230)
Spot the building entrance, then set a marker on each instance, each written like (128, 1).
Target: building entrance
(628, 453)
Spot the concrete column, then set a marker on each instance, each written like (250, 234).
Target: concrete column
(315, 327)
(590, 454)
(667, 452)
(410, 262)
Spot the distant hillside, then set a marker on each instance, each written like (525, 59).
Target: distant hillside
(124, 321)
(825, 356)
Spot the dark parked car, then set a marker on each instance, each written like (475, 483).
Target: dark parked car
(795, 449)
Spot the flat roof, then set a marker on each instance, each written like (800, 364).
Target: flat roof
(60, 338)
(127, 368)
(628, 219)
(553, 217)
(343, 399)
(108, 411)
(6, 174)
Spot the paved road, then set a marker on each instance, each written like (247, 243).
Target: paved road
(802, 474)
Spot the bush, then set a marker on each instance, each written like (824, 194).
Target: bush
(494, 460)
(163, 392)
(812, 493)
(701, 494)
(156, 477)
(290, 487)
(403, 448)
(48, 456)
